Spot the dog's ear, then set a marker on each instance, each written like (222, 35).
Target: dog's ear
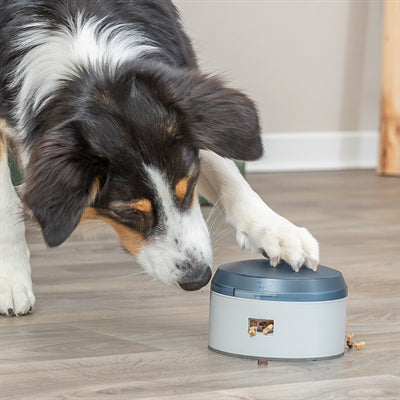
(215, 116)
(221, 119)
(64, 176)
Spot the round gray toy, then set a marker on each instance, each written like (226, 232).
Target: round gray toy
(258, 311)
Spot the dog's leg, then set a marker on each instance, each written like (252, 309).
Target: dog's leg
(257, 226)
(16, 295)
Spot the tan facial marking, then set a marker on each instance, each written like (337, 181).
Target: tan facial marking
(181, 188)
(133, 241)
(143, 205)
(89, 213)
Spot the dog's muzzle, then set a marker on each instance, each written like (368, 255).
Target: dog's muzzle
(196, 278)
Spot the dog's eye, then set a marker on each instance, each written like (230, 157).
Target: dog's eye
(128, 213)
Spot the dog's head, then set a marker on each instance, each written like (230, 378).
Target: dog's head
(129, 155)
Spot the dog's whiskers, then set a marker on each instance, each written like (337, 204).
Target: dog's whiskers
(128, 275)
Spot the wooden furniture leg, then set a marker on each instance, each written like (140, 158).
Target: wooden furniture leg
(389, 147)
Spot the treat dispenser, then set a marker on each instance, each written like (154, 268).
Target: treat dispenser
(257, 310)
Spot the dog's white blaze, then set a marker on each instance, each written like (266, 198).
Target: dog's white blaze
(186, 237)
(56, 55)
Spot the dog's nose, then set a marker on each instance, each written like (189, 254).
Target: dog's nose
(197, 279)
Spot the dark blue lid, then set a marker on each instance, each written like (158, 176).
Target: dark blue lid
(257, 279)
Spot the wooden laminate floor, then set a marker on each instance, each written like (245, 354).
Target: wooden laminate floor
(104, 330)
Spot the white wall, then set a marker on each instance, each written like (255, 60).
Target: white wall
(311, 66)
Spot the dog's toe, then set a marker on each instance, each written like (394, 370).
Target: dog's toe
(16, 298)
(277, 238)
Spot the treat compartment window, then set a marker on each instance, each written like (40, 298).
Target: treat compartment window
(260, 326)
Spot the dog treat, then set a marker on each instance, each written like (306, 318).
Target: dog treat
(253, 331)
(268, 329)
(260, 326)
(359, 345)
(350, 344)
(262, 361)
(253, 322)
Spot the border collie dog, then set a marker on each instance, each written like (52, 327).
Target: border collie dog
(111, 119)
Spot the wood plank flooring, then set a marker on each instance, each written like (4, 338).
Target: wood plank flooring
(104, 330)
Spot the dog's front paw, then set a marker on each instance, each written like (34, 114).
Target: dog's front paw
(16, 296)
(278, 238)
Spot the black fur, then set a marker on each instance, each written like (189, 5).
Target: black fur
(160, 111)
(60, 181)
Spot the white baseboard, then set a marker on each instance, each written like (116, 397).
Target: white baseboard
(308, 151)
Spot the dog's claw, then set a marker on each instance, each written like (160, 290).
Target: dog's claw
(274, 261)
(25, 313)
(314, 265)
(16, 298)
(311, 264)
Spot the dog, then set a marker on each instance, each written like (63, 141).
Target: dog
(111, 119)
